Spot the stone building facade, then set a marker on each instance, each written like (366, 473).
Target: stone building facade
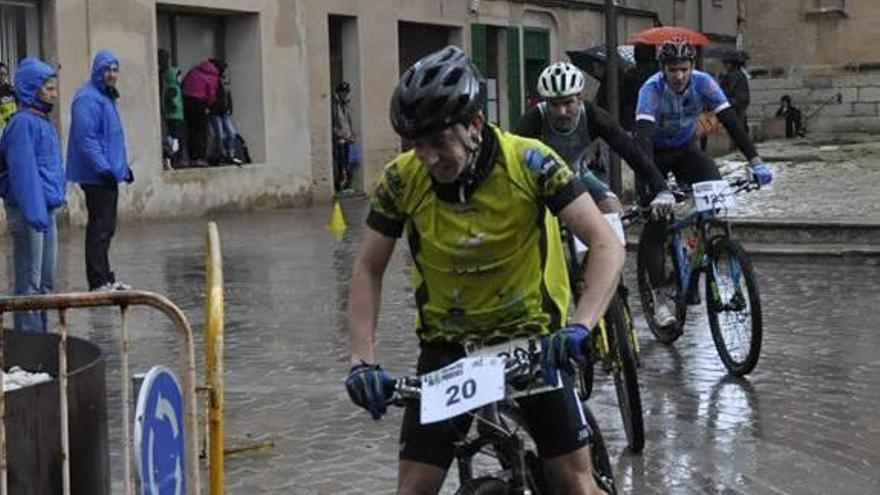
(823, 54)
(285, 56)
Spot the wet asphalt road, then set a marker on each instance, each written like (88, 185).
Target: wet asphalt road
(806, 421)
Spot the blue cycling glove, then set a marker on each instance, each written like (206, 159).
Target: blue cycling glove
(762, 174)
(558, 348)
(370, 387)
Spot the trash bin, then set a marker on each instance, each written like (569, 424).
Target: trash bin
(33, 427)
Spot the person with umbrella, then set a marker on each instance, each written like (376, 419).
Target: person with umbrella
(666, 114)
(735, 83)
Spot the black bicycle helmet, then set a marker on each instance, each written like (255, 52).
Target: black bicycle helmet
(676, 50)
(439, 91)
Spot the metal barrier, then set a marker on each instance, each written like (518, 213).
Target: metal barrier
(214, 332)
(214, 357)
(123, 299)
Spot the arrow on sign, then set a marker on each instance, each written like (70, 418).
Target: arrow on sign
(164, 410)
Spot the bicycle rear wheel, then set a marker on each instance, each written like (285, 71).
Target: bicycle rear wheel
(622, 362)
(733, 306)
(667, 293)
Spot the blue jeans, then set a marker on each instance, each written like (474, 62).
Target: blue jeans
(33, 258)
(224, 135)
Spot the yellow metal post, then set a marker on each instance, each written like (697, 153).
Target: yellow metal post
(214, 359)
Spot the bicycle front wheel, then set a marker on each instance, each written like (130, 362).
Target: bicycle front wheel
(626, 383)
(733, 306)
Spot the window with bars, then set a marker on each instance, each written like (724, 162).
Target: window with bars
(825, 7)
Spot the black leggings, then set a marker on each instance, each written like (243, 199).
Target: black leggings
(689, 165)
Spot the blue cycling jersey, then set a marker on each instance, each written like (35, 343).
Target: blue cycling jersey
(676, 114)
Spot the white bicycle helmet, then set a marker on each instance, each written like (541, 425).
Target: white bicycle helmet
(560, 80)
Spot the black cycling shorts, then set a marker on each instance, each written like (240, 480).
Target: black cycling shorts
(555, 419)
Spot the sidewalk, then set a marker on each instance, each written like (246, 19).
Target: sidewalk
(821, 202)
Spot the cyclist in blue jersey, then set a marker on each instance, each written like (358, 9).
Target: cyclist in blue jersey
(666, 113)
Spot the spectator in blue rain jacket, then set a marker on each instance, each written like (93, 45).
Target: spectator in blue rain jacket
(32, 185)
(96, 160)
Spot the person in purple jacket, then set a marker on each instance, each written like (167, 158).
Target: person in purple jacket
(199, 92)
(97, 161)
(32, 185)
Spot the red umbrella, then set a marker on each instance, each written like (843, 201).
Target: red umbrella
(658, 35)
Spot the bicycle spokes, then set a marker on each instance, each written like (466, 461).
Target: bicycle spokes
(731, 306)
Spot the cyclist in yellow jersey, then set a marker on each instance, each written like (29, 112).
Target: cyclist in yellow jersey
(479, 208)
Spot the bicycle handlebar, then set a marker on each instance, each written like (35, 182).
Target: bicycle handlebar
(410, 387)
(682, 193)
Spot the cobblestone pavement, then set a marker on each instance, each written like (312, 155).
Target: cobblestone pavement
(805, 422)
(816, 178)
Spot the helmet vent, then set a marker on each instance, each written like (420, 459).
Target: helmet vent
(429, 76)
(453, 77)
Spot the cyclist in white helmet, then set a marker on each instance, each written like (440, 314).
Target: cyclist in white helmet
(568, 124)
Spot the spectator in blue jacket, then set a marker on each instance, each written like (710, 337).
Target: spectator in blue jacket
(97, 161)
(32, 185)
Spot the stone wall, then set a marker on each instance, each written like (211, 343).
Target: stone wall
(816, 95)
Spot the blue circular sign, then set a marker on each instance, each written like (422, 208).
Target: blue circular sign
(159, 433)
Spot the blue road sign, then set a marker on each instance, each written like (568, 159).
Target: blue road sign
(158, 434)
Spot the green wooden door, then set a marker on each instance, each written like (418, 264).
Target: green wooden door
(536, 56)
(514, 76)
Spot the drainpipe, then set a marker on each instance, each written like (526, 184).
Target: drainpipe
(740, 24)
(611, 74)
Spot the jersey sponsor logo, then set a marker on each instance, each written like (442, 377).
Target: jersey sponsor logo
(539, 162)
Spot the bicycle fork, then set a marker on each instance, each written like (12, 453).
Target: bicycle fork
(509, 449)
(737, 300)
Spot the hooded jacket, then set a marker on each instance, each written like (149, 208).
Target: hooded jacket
(201, 82)
(96, 146)
(31, 167)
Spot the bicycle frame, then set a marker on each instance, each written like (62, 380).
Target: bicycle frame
(508, 446)
(687, 269)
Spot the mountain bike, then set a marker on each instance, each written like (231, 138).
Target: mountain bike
(615, 344)
(498, 456)
(701, 243)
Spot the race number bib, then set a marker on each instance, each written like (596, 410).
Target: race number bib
(613, 219)
(713, 195)
(521, 347)
(463, 386)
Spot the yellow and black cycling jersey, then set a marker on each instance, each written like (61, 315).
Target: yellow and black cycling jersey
(487, 256)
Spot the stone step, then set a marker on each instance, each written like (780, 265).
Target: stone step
(800, 231)
(807, 231)
(799, 237)
(764, 249)
(810, 250)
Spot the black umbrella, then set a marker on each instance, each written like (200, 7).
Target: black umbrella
(727, 53)
(582, 58)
